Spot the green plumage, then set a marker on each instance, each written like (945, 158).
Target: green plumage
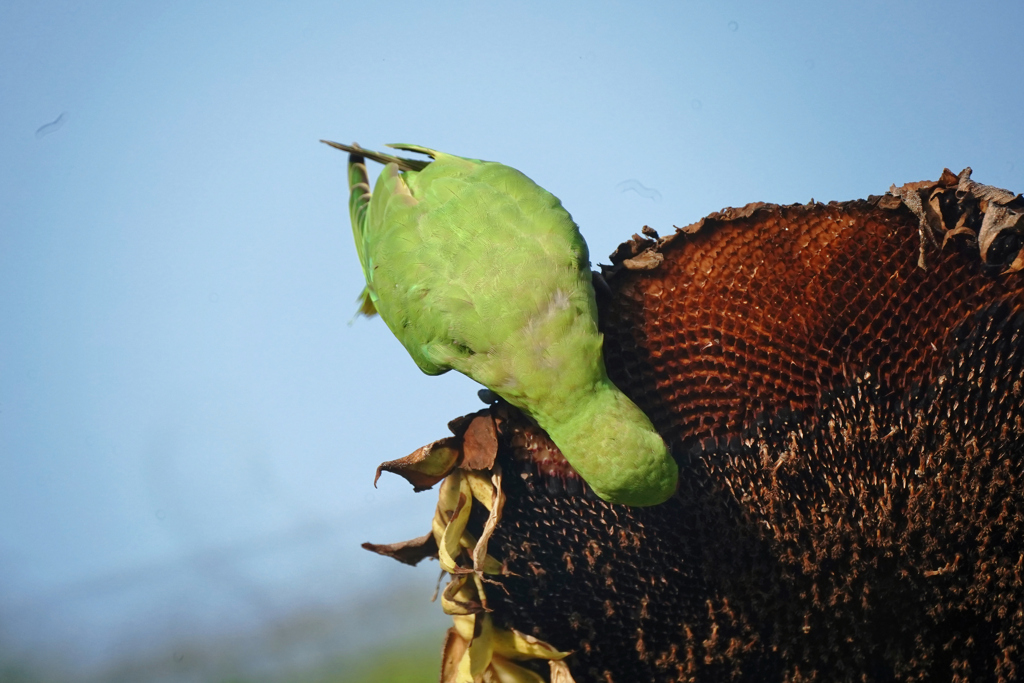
(474, 267)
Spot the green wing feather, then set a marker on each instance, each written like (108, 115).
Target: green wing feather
(359, 200)
(475, 267)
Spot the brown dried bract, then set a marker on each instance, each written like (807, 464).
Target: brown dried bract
(407, 552)
(474, 446)
(427, 465)
(479, 443)
(953, 206)
(991, 218)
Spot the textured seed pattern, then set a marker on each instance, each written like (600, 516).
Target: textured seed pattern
(850, 432)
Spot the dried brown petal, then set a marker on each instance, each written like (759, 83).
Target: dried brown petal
(408, 552)
(452, 652)
(425, 466)
(497, 503)
(645, 261)
(479, 443)
(999, 222)
(560, 672)
(455, 599)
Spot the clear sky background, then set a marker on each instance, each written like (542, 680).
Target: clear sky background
(189, 423)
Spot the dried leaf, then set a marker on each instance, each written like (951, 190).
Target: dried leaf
(890, 201)
(465, 625)
(452, 652)
(407, 552)
(481, 651)
(959, 231)
(456, 600)
(730, 214)
(510, 672)
(449, 547)
(560, 672)
(631, 248)
(647, 260)
(459, 425)
(425, 466)
(448, 495)
(998, 219)
(517, 645)
(479, 443)
(929, 220)
(495, 507)
(450, 525)
(966, 186)
(948, 178)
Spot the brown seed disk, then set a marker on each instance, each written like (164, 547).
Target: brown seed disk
(849, 429)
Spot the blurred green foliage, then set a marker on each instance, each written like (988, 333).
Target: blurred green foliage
(417, 661)
(391, 636)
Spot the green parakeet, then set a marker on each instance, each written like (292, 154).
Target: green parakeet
(475, 267)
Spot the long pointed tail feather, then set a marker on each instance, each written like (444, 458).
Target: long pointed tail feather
(359, 196)
(381, 158)
(358, 203)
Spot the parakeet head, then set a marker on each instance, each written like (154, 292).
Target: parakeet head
(613, 445)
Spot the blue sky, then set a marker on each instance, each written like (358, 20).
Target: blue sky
(187, 418)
